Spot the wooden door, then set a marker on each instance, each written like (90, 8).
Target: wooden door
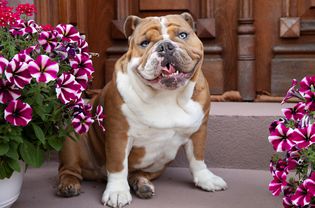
(251, 46)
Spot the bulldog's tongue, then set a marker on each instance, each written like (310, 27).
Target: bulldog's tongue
(168, 69)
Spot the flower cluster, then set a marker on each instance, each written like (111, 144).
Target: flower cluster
(44, 71)
(293, 135)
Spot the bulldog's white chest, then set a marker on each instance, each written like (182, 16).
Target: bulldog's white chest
(159, 123)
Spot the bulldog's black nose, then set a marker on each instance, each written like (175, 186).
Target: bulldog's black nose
(165, 48)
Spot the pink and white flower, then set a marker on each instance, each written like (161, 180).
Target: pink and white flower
(274, 125)
(280, 138)
(30, 49)
(24, 28)
(18, 113)
(43, 69)
(17, 73)
(296, 113)
(8, 92)
(81, 123)
(84, 63)
(67, 88)
(81, 77)
(292, 92)
(83, 46)
(278, 183)
(307, 84)
(292, 160)
(287, 202)
(47, 40)
(305, 192)
(3, 64)
(310, 101)
(99, 117)
(67, 32)
(22, 57)
(303, 137)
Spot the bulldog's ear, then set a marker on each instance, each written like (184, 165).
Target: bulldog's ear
(189, 19)
(130, 24)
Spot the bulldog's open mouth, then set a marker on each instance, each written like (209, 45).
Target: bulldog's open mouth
(170, 73)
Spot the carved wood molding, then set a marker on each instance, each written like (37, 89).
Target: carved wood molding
(205, 26)
(295, 49)
(308, 27)
(246, 50)
(290, 27)
(292, 24)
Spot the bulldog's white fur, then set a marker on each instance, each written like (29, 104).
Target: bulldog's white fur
(161, 122)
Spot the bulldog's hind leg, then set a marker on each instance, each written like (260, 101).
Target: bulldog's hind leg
(69, 170)
(203, 177)
(141, 184)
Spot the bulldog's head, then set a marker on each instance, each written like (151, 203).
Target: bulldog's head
(164, 51)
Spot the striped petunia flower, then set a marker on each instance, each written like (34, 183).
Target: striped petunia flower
(3, 64)
(22, 57)
(278, 183)
(99, 116)
(303, 137)
(84, 63)
(24, 28)
(287, 202)
(67, 32)
(43, 69)
(296, 113)
(280, 138)
(8, 91)
(18, 113)
(310, 101)
(17, 73)
(305, 192)
(307, 84)
(30, 49)
(48, 40)
(83, 46)
(68, 89)
(81, 77)
(81, 123)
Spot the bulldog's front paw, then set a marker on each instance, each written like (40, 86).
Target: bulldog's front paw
(116, 197)
(68, 186)
(207, 181)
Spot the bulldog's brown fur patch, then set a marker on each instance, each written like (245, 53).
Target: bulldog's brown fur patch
(98, 153)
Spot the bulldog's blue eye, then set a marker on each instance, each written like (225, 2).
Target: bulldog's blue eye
(183, 35)
(144, 43)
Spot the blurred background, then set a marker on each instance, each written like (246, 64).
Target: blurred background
(253, 49)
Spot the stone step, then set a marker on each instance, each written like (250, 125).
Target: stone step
(237, 135)
(174, 189)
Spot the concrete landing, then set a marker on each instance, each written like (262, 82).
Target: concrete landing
(174, 189)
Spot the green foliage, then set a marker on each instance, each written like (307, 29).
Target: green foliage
(49, 127)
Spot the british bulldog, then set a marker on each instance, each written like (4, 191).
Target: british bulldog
(157, 101)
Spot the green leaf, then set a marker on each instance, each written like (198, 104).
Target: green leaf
(4, 148)
(39, 133)
(55, 142)
(32, 155)
(5, 170)
(14, 164)
(16, 138)
(40, 112)
(13, 151)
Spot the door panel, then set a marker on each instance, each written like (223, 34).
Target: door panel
(251, 46)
